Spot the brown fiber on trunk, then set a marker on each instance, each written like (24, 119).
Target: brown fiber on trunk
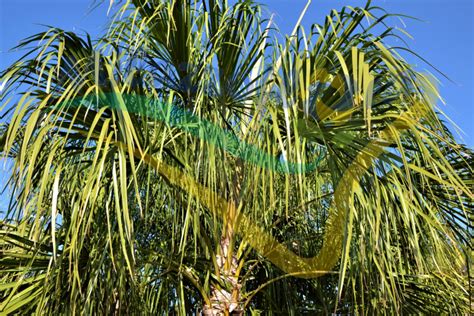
(225, 296)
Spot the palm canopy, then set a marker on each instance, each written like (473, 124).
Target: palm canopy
(190, 161)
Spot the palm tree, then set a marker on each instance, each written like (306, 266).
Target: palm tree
(189, 161)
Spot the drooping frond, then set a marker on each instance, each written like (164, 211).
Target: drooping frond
(187, 143)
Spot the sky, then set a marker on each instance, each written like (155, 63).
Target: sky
(444, 37)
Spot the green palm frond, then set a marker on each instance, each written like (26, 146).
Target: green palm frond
(188, 161)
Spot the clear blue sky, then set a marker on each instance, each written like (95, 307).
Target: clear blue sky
(445, 37)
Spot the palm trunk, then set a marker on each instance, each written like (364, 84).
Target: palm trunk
(225, 296)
